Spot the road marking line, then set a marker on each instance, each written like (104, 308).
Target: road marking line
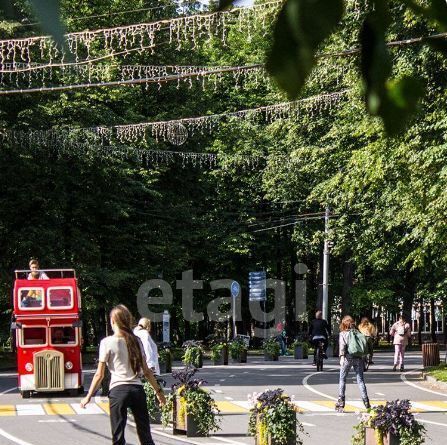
(308, 387)
(228, 398)
(243, 404)
(222, 439)
(105, 406)
(32, 409)
(312, 406)
(307, 424)
(56, 409)
(230, 407)
(431, 422)
(89, 409)
(414, 385)
(7, 410)
(57, 421)
(8, 390)
(379, 394)
(13, 438)
(429, 406)
(180, 439)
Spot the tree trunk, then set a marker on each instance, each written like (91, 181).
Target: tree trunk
(421, 319)
(433, 321)
(348, 281)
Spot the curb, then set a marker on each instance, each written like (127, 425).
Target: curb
(432, 380)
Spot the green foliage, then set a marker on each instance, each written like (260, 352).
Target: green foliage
(271, 347)
(164, 355)
(153, 407)
(273, 417)
(193, 355)
(236, 348)
(439, 372)
(301, 27)
(303, 344)
(216, 351)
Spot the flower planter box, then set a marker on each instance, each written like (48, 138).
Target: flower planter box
(242, 358)
(388, 439)
(166, 366)
(223, 359)
(298, 353)
(156, 418)
(267, 439)
(183, 423)
(198, 363)
(270, 357)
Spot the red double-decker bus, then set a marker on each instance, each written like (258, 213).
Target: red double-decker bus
(47, 324)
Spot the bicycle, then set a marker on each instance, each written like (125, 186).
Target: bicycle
(319, 355)
(367, 360)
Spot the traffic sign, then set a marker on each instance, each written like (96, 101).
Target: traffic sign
(235, 289)
(257, 286)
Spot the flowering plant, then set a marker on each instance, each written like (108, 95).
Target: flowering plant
(274, 415)
(193, 400)
(393, 417)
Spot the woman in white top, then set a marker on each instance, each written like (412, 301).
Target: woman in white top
(123, 354)
(142, 331)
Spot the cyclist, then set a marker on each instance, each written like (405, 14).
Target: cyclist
(319, 330)
(369, 331)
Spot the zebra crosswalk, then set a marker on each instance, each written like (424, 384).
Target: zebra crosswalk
(100, 407)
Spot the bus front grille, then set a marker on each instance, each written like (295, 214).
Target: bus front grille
(49, 371)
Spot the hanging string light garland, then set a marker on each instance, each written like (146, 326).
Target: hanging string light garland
(186, 29)
(168, 130)
(133, 75)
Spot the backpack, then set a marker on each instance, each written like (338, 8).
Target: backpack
(357, 344)
(400, 330)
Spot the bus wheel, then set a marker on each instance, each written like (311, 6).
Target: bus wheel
(26, 394)
(73, 392)
(81, 390)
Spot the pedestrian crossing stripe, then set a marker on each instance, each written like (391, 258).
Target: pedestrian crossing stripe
(225, 407)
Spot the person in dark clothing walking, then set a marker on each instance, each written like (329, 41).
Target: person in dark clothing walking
(319, 330)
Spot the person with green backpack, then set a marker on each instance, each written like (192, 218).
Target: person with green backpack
(353, 348)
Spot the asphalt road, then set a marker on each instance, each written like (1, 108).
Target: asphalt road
(58, 420)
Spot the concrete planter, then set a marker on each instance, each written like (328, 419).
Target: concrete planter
(242, 358)
(298, 353)
(166, 366)
(270, 357)
(223, 359)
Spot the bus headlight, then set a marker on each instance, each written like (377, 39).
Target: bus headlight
(29, 367)
(69, 365)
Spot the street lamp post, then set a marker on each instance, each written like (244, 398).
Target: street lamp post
(326, 266)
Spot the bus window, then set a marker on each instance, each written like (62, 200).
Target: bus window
(63, 335)
(34, 336)
(31, 298)
(60, 297)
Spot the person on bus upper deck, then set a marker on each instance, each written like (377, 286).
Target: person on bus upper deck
(35, 273)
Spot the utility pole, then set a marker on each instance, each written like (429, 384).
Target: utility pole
(326, 266)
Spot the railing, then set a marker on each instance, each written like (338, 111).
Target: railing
(52, 273)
